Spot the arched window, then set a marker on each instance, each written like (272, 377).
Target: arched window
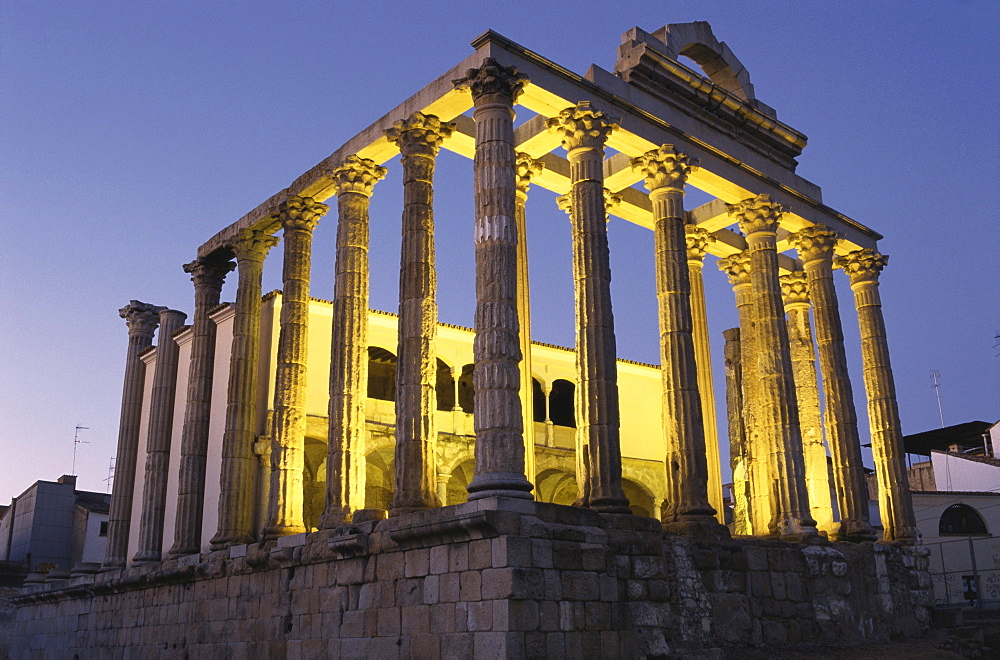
(445, 386)
(561, 408)
(381, 374)
(537, 401)
(963, 520)
(466, 392)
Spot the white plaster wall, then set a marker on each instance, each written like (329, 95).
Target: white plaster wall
(217, 423)
(94, 545)
(956, 473)
(149, 359)
(180, 405)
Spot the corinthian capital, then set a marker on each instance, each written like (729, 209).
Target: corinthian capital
(862, 265)
(527, 167)
(565, 203)
(209, 272)
(357, 175)
(814, 242)
(757, 214)
(794, 288)
(697, 240)
(493, 79)
(582, 127)
(252, 245)
(664, 168)
(611, 202)
(737, 267)
(141, 318)
(419, 134)
(301, 212)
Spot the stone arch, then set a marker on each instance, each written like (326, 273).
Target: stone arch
(562, 408)
(719, 63)
(445, 386)
(381, 374)
(537, 401)
(962, 520)
(640, 498)
(313, 482)
(461, 476)
(380, 479)
(556, 486)
(466, 390)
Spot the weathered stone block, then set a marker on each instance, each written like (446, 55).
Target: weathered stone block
(580, 585)
(388, 621)
(415, 620)
(480, 554)
(541, 553)
(417, 562)
(439, 559)
(760, 584)
(471, 586)
(480, 616)
(450, 587)
(442, 618)
(431, 586)
(514, 551)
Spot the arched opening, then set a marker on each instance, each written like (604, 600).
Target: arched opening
(461, 476)
(313, 482)
(537, 401)
(640, 500)
(381, 374)
(466, 391)
(961, 520)
(556, 486)
(445, 386)
(380, 478)
(561, 406)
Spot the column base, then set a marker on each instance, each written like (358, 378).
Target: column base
(180, 551)
(113, 564)
(853, 532)
(147, 557)
(223, 542)
(277, 531)
(335, 518)
(500, 484)
(702, 525)
(610, 505)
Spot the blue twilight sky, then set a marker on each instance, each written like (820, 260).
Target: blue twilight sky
(132, 132)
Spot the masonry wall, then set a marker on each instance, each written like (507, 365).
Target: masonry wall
(494, 578)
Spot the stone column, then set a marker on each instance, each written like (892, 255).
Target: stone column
(299, 217)
(698, 241)
(758, 218)
(738, 458)
(208, 275)
(236, 482)
(795, 293)
(498, 381)
(442, 485)
(754, 450)
(815, 246)
(526, 168)
(141, 319)
(584, 132)
(161, 424)
(419, 137)
(863, 267)
(345, 462)
(687, 508)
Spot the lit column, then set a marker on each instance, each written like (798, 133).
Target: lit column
(863, 267)
(208, 275)
(526, 168)
(456, 375)
(815, 246)
(698, 241)
(755, 449)
(161, 424)
(497, 378)
(419, 137)
(795, 293)
(442, 483)
(141, 319)
(345, 463)
(236, 492)
(584, 132)
(299, 217)
(778, 415)
(686, 508)
(738, 458)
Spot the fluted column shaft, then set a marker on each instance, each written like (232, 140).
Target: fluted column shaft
(142, 320)
(345, 462)
(755, 451)
(208, 275)
(802, 351)
(419, 138)
(895, 504)
(584, 132)
(698, 240)
(665, 171)
(737, 432)
(499, 405)
(236, 492)
(299, 217)
(815, 246)
(161, 424)
(779, 417)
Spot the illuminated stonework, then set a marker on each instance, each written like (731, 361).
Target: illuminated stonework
(408, 488)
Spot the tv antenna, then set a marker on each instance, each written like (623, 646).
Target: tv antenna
(78, 441)
(111, 474)
(935, 375)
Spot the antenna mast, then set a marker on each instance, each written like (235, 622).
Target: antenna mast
(78, 441)
(935, 375)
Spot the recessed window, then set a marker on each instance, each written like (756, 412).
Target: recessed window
(104, 528)
(963, 520)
